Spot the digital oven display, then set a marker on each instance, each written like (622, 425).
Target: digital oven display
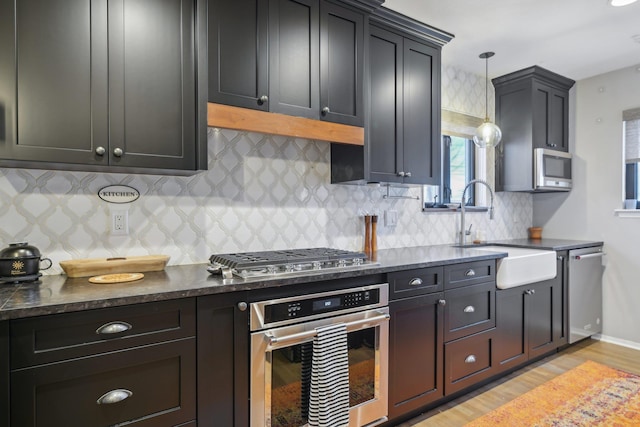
(326, 304)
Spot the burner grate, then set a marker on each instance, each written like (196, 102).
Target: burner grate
(247, 260)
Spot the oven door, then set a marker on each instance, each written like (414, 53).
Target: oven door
(281, 370)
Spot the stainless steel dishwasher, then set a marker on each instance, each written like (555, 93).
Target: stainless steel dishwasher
(585, 292)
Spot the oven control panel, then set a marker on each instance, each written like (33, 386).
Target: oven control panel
(313, 305)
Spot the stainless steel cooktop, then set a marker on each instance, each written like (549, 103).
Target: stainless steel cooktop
(276, 263)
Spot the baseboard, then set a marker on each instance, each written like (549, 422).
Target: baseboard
(617, 341)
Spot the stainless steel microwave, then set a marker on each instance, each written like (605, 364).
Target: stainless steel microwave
(552, 170)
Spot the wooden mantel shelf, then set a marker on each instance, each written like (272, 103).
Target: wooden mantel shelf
(224, 116)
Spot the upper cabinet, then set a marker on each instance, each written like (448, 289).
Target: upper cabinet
(101, 86)
(402, 132)
(301, 58)
(532, 110)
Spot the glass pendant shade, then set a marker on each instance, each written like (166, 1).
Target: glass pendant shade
(487, 135)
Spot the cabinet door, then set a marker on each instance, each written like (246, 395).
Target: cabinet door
(155, 386)
(415, 353)
(238, 53)
(550, 117)
(4, 374)
(545, 314)
(385, 127)
(511, 332)
(341, 64)
(420, 159)
(293, 57)
(223, 361)
(152, 90)
(57, 102)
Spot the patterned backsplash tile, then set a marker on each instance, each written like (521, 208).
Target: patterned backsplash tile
(261, 192)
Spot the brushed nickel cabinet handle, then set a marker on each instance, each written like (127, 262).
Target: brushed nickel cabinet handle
(469, 309)
(401, 173)
(408, 174)
(470, 272)
(415, 281)
(113, 328)
(242, 306)
(263, 100)
(118, 152)
(325, 111)
(470, 359)
(114, 396)
(100, 151)
(442, 301)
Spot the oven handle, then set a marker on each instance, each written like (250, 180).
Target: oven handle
(308, 334)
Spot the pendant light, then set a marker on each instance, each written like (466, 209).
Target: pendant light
(488, 134)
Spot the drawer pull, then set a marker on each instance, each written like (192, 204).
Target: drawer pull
(470, 272)
(114, 396)
(469, 309)
(470, 359)
(415, 282)
(113, 328)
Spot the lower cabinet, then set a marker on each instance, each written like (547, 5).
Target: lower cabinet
(4, 374)
(223, 360)
(147, 386)
(531, 321)
(133, 365)
(415, 353)
(468, 361)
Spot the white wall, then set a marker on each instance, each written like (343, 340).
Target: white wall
(587, 212)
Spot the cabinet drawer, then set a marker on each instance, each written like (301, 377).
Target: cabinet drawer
(47, 339)
(408, 283)
(468, 361)
(160, 379)
(469, 310)
(469, 273)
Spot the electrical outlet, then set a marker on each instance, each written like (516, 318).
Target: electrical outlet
(390, 218)
(119, 223)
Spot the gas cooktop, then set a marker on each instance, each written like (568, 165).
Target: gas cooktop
(276, 263)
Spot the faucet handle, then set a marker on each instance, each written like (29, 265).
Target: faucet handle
(468, 232)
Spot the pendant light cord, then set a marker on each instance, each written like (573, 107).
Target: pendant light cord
(486, 89)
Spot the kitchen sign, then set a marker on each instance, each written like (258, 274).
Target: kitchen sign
(119, 194)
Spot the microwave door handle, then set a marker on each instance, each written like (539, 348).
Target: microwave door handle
(309, 334)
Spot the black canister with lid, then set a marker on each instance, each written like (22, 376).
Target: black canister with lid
(20, 262)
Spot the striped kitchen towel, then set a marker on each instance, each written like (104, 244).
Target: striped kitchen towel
(329, 393)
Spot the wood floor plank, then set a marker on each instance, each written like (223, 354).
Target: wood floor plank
(460, 411)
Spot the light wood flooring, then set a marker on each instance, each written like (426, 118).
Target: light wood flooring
(475, 404)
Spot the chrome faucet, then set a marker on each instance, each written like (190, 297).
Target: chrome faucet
(463, 231)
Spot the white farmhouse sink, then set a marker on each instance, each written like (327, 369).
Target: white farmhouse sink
(522, 266)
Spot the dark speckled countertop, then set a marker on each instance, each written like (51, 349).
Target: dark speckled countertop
(59, 294)
(549, 244)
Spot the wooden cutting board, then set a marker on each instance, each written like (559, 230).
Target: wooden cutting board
(101, 266)
(116, 278)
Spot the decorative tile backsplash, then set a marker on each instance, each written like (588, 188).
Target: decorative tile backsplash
(261, 192)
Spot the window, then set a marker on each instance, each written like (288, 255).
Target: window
(461, 162)
(631, 133)
(458, 168)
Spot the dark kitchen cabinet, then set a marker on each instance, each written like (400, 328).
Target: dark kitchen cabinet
(130, 364)
(223, 360)
(531, 321)
(532, 110)
(4, 375)
(469, 324)
(295, 57)
(402, 132)
(415, 353)
(102, 86)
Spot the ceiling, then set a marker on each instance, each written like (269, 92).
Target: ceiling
(575, 38)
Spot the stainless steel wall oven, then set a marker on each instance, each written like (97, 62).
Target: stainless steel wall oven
(320, 359)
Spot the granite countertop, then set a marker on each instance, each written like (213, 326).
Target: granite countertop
(60, 294)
